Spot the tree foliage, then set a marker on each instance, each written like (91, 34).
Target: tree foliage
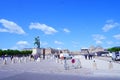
(114, 49)
(14, 52)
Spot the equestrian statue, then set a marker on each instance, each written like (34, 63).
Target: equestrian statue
(37, 42)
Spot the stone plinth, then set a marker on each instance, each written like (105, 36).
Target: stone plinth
(36, 52)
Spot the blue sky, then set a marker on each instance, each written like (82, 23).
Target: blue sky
(62, 24)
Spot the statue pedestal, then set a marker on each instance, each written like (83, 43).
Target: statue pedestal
(36, 52)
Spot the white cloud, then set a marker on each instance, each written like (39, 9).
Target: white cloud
(118, 43)
(20, 45)
(98, 42)
(43, 43)
(109, 42)
(98, 38)
(43, 27)
(66, 30)
(11, 27)
(84, 47)
(110, 25)
(14, 48)
(59, 48)
(75, 44)
(117, 36)
(58, 42)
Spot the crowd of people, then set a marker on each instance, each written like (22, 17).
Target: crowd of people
(88, 56)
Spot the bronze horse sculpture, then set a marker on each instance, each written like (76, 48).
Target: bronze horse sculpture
(37, 42)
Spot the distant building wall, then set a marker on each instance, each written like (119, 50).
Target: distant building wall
(75, 52)
(92, 49)
(65, 51)
(84, 51)
(50, 50)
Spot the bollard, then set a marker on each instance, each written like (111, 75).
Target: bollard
(20, 60)
(94, 65)
(13, 60)
(61, 61)
(5, 62)
(30, 59)
(17, 59)
(25, 59)
(51, 57)
(110, 65)
(66, 67)
(57, 60)
(47, 57)
(79, 64)
(38, 59)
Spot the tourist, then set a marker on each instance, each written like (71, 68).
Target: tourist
(85, 56)
(90, 56)
(11, 58)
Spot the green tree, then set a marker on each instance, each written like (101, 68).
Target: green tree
(114, 49)
(15, 52)
(1, 52)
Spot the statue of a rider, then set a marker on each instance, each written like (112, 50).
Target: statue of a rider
(37, 42)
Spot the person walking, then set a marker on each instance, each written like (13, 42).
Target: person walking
(85, 56)
(43, 53)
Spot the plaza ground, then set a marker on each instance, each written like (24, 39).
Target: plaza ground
(51, 69)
